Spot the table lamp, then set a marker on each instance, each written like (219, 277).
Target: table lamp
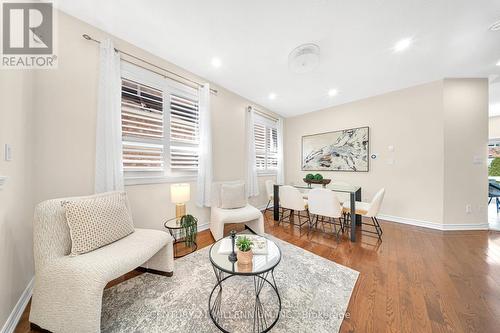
(179, 195)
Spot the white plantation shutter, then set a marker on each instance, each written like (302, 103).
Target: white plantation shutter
(160, 127)
(184, 133)
(142, 129)
(260, 146)
(272, 148)
(266, 144)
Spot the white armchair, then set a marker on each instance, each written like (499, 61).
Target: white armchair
(247, 214)
(68, 290)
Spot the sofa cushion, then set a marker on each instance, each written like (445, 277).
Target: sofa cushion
(232, 196)
(97, 221)
(114, 260)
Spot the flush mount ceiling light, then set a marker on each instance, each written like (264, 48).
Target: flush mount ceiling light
(333, 92)
(402, 45)
(272, 96)
(304, 58)
(495, 26)
(216, 62)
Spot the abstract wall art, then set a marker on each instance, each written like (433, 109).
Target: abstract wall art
(345, 150)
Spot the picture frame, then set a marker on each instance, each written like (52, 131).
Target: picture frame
(346, 150)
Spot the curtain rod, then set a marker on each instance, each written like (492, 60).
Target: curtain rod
(87, 37)
(263, 114)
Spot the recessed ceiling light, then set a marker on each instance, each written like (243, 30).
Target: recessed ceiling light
(495, 26)
(498, 63)
(402, 45)
(216, 62)
(333, 92)
(272, 96)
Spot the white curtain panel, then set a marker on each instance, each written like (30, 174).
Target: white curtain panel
(280, 176)
(205, 169)
(108, 165)
(252, 182)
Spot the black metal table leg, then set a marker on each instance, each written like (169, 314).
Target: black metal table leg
(353, 217)
(358, 198)
(261, 319)
(276, 203)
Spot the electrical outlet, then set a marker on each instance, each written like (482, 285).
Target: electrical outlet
(8, 152)
(468, 208)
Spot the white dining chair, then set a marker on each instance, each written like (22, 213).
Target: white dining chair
(367, 209)
(325, 203)
(291, 200)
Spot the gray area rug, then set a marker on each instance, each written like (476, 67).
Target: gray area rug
(314, 291)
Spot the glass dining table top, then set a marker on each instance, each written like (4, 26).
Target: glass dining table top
(346, 188)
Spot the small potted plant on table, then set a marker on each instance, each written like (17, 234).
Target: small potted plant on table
(245, 254)
(190, 225)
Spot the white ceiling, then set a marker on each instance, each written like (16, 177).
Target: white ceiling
(254, 37)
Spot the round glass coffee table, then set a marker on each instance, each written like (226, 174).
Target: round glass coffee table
(175, 229)
(230, 303)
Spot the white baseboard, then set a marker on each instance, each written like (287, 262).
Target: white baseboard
(15, 315)
(433, 225)
(203, 226)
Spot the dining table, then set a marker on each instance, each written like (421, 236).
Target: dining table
(354, 192)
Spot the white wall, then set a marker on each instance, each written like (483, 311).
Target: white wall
(16, 197)
(436, 130)
(65, 132)
(465, 147)
(494, 127)
(409, 120)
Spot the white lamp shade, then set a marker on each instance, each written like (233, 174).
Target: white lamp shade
(179, 193)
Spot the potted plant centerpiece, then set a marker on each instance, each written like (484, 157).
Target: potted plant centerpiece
(244, 254)
(316, 179)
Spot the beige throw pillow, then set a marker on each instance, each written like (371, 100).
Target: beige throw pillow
(97, 221)
(232, 196)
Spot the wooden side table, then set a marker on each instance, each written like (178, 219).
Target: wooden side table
(175, 229)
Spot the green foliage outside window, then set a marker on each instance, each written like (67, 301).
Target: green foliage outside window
(494, 169)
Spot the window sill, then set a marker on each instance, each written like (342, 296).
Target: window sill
(266, 173)
(158, 180)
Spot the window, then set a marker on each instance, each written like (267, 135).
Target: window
(160, 122)
(184, 133)
(266, 144)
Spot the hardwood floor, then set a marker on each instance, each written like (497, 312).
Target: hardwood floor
(415, 280)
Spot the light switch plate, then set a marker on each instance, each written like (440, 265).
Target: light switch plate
(8, 152)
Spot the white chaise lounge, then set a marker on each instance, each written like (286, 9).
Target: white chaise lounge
(68, 290)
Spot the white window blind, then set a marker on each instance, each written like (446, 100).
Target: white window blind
(184, 133)
(260, 145)
(142, 129)
(272, 148)
(266, 144)
(160, 127)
